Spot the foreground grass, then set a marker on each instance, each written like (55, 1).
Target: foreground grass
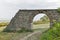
(12, 35)
(52, 34)
(7, 36)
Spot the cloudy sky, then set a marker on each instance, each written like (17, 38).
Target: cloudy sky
(8, 8)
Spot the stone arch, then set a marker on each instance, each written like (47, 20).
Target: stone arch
(44, 12)
(39, 23)
(33, 15)
(23, 18)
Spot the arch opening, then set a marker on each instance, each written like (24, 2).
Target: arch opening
(41, 21)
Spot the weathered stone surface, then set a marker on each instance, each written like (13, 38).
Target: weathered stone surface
(24, 18)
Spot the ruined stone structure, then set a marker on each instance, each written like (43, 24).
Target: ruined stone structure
(24, 18)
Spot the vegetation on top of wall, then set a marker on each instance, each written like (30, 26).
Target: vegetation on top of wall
(53, 33)
(58, 10)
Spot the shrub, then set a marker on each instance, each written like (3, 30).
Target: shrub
(53, 33)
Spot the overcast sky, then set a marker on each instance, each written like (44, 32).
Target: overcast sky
(8, 8)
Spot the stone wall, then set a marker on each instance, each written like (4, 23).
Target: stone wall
(24, 18)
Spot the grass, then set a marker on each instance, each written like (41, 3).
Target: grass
(7, 36)
(20, 34)
(52, 34)
(46, 25)
(2, 28)
(2, 24)
(11, 35)
(40, 22)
